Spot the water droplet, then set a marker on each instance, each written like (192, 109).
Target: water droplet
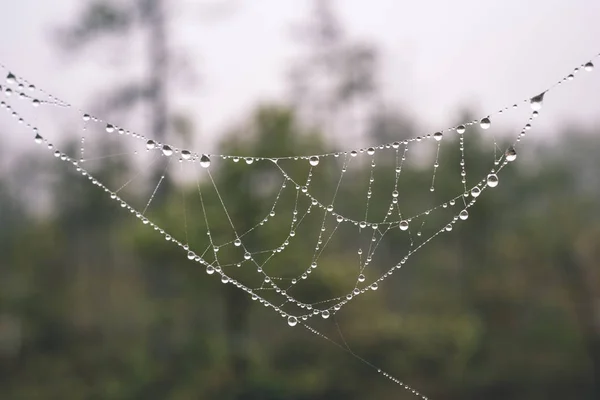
(438, 136)
(537, 102)
(314, 161)
(330, 208)
(110, 128)
(374, 286)
(403, 225)
(325, 314)
(204, 161)
(292, 321)
(362, 224)
(247, 256)
(485, 123)
(186, 155)
(461, 129)
(35, 102)
(210, 270)
(464, 214)
(395, 193)
(87, 117)
(339, 218)
(237, 242)
(191, 255)
(370, 151)
(361, 278)
(511, 154)
(11, 78)
(38, 139)
(150, 144)
(589, 66)
(492, 180)
(353, 153)
(167, 150)
(475, 191)
(448, 227)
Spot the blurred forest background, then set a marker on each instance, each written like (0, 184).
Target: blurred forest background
(93, 306)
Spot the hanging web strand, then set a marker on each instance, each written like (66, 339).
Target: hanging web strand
(317, 223)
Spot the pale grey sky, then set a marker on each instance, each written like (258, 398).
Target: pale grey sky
(438, 56)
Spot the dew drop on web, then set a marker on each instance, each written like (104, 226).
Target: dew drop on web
(167, 150)
(537, 102)
(204, 161)
(589, 66)
(492, 180)
(511, 154)
(485, 123)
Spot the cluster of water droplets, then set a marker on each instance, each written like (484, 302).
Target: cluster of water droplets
(403, 224)
(377, 229)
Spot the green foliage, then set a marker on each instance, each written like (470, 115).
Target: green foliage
(96, 306)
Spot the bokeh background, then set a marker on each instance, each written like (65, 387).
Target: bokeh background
(92, 306)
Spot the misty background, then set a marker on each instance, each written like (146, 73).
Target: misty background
(94, 306)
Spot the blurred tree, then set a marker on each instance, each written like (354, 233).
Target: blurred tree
(335, 86)
(103, 17)
(275, 132)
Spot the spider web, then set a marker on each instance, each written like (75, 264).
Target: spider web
(305, 202)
